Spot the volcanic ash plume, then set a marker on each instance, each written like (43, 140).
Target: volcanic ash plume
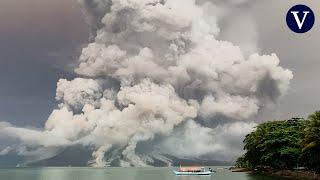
(156, 83)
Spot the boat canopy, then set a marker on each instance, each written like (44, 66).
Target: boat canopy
(190, 168)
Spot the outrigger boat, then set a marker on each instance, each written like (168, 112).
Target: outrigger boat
(194, 170)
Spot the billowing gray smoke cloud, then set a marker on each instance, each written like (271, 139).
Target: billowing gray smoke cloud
(156, 81)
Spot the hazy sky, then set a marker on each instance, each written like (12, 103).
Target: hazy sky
(298, 52)
(40, 40)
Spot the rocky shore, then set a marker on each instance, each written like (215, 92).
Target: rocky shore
(296, 174)
(240, 169)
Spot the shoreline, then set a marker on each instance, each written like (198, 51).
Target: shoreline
(248, 170)
(291, 174)
(296, 174)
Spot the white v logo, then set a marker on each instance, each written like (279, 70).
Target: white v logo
(296, 17)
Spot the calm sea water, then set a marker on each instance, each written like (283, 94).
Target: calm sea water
(115, 174)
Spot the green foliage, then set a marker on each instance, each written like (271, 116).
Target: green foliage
(274, 144)
(242, 163)
(284, 144)
(310, 142)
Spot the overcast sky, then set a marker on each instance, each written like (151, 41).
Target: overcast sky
(40, 41)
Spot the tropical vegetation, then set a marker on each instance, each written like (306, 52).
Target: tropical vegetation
(285, 144)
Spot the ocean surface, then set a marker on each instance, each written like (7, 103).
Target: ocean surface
(110, 173)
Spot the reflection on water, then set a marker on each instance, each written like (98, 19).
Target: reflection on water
(193, 178)
(115, 174)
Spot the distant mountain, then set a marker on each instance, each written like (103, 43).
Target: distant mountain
(10, 160)
(196, 161)
(80, 156)
(71, 156)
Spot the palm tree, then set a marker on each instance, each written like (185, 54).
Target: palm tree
(311, 141)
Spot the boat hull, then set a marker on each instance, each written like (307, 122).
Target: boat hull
(204, 173)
